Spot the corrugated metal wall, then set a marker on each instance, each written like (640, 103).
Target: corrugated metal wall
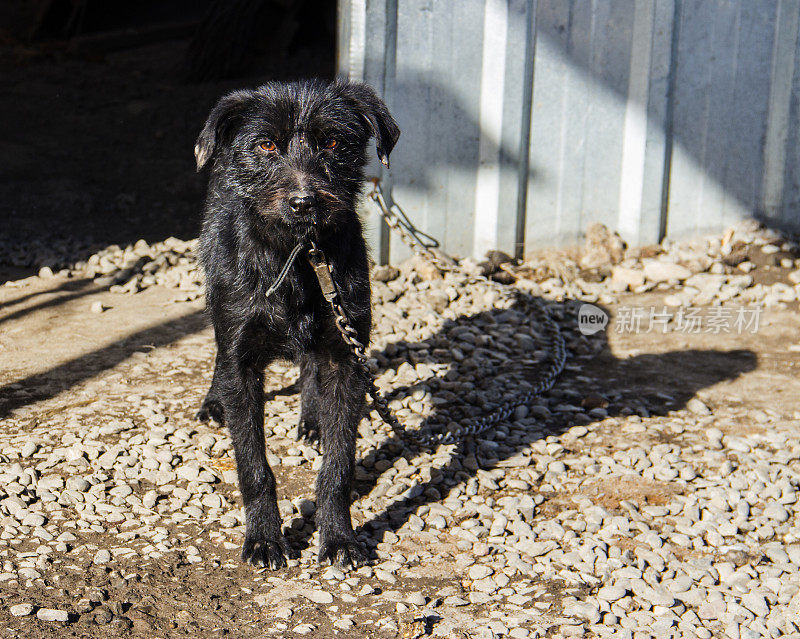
(525, 120)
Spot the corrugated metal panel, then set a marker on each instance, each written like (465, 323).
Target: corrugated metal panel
(435, 168)
(582, 67)
(651, 116)
(721, 94)
(781, 181)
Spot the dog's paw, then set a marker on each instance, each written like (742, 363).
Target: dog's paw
(308, 431)
(211, 409)
(267, 553)
(346, 553)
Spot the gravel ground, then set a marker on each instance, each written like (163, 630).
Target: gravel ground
(652, 492)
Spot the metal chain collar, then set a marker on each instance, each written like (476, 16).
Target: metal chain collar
(398, 221)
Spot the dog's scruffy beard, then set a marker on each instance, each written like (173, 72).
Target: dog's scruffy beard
(330, 214)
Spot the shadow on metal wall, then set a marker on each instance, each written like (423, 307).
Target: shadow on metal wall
(718, 84)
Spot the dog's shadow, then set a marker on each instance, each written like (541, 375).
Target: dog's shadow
(595, 385)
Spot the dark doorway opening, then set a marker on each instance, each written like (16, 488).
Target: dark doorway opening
(101, 102)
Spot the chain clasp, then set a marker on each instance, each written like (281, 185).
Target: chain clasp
(323, 272)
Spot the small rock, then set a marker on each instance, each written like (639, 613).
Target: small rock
(656, 597)
(21, 610)
(777, 513)
(590, 401)
(422, 267)
(627, 278)
(28, 449)
(416, 599)
(306, 507)
(50, 614)
(756, 604)
(319, 596)
(455, 601)
(697, 407)
(303, 629)
(611, 593)
(385, 273)
(33, 520)
(535, 548)
(603, 247)
(189, 473)
(102, 615)
(29, 573)
(711, 609)
(343, 624)
(665, 272)
(479, 571)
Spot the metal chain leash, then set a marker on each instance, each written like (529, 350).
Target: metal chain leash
(349, 334)
(398, 221)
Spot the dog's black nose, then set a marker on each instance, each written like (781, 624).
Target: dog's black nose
(302, 201)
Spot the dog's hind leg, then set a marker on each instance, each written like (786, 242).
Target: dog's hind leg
(342, 390)
(308, 427)
(241, 387)
(211, 408)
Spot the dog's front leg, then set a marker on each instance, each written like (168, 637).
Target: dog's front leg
(342, 390)
(242, 397)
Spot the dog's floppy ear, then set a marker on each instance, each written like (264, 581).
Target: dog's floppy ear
(377, 116)
(220, 121)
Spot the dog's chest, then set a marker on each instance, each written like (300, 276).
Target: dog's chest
(292, 316)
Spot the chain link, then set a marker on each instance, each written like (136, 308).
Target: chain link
(398, 221)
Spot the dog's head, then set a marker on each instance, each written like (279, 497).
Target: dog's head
(297, 151)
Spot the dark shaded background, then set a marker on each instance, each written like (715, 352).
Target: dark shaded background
(101, 101)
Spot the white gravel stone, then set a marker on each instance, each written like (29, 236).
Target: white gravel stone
(698, 407)
(50, 614)
(455, 601)
(319, 596)
(28, 449)
(479, 571)
(21, 610)
(78, 484)
(416, 599)
(756, 603)
(611, 593)
(303, 629)
(664, 271)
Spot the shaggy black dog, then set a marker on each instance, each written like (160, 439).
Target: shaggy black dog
(288, 164)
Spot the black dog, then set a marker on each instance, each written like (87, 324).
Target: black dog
(288, 165)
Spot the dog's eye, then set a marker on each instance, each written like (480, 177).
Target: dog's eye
(268, 146)
(331, 143)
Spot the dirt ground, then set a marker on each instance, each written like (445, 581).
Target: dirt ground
(60, 360)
